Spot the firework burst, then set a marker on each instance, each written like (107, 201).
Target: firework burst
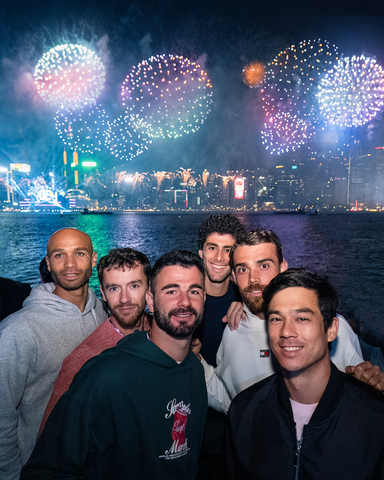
(289, 93)
(69, 76)
(253, 74)
(352, 93)
(126, 139)
(169, 93)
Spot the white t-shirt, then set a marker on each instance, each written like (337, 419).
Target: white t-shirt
(302, 413)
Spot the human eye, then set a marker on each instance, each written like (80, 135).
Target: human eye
(80, 254)
(195, 292)
(241, 270)
(302, 319)
(274, 319)
(264, 266)
(112, 289)
(211, 247)
(170, 292)
(135, 285)
(58, 255)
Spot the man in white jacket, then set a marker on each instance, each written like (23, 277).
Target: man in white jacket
(55, 318)
(244, 356)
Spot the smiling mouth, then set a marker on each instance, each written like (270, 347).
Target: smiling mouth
(291, 349)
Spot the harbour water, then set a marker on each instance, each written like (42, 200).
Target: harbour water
(346, 247)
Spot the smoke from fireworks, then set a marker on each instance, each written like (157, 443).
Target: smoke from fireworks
(69, 76)
(352, 93)
(169, 93)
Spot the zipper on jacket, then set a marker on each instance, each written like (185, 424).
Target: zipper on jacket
(297, 457)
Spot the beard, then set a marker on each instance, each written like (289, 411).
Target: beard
(59, 279)
(127, 320)
(184, 329)
(255, 304)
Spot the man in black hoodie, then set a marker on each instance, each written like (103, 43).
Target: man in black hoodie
(137, 410)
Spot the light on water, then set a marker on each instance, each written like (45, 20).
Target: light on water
(348, 248)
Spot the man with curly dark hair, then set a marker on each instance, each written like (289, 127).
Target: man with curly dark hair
(215, 239)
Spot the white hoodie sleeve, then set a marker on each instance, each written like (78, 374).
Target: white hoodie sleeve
(218, 397)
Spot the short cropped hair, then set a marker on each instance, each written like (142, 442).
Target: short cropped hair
(257, 236)
(122, 257)
(224, 224)
(327, 295)
(183, 258)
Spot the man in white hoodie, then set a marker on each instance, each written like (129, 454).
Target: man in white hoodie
(244, 356)
(55, 318)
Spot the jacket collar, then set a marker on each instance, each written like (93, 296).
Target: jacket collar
(328, 402)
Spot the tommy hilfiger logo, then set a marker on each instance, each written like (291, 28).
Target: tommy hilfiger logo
(264, 353)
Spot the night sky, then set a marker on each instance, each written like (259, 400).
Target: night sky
(224, 36)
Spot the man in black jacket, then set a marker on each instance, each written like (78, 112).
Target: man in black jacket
(309, 420)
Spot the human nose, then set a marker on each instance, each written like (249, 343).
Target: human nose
(70, 260)
(254, 276)
(183, 299)
(288, 329)
(219, 255)
(124, 296)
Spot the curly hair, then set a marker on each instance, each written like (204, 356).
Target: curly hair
(223, 224)
(121, 257)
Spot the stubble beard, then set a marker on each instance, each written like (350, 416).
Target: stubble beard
(70, 286)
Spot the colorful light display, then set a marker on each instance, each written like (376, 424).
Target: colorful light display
(284, 132)
(125, 139)
(289, 93)
(83, 130)
(169, 93)
(352, 93)
(253, 74)
(69, 76)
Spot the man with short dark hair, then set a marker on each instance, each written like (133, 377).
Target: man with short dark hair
(55, 318)
(123, 276)
(244, 355)
(138, 409)
(308, 420)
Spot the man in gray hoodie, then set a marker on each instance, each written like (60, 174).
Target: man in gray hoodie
(55, 318)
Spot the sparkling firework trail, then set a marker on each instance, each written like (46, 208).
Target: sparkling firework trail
(289, 93)
(83, 129)
(169, 93)
(160, 177)
(69, 76)
(205, 177)
(185, 174)
(352, 93)
(253, 74)
(125, 139)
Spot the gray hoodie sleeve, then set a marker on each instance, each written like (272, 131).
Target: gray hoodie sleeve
(17, 355)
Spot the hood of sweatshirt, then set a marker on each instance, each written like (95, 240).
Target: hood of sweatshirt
(43, 295)
(139, 345)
